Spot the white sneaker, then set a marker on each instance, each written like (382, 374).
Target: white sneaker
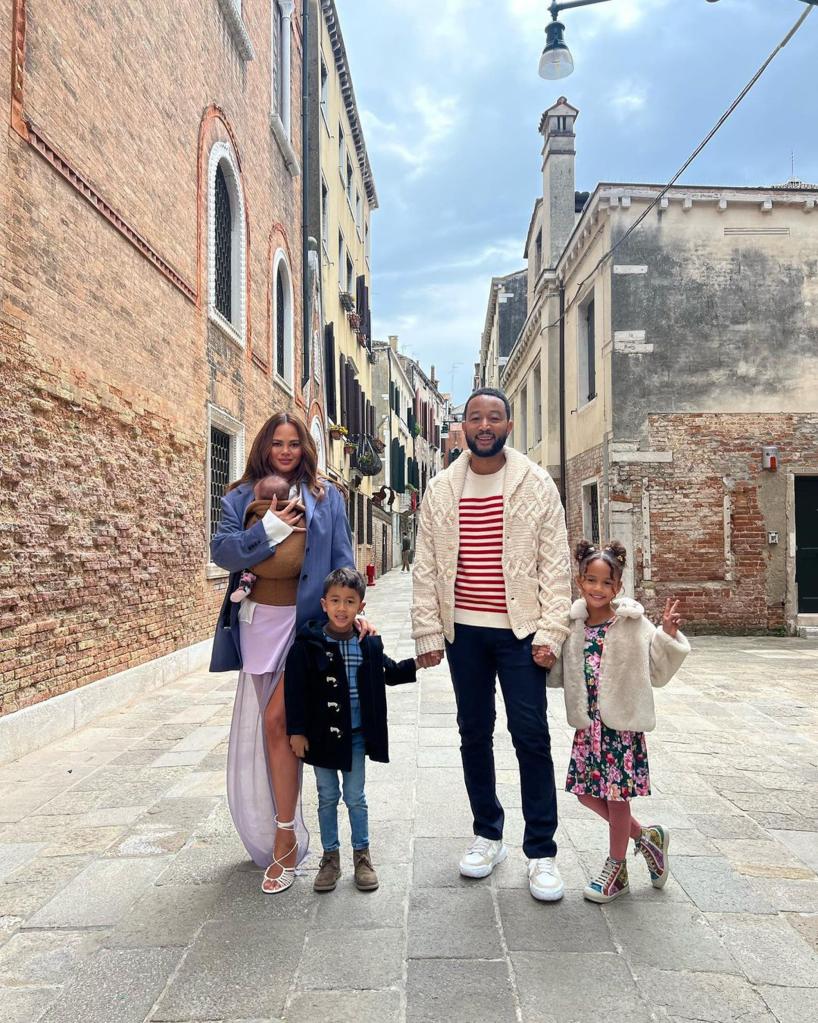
(544, 881)
(482, 857)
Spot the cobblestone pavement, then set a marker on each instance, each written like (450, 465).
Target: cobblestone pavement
(126, 896)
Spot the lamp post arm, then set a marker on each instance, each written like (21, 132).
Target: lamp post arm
(555, 8)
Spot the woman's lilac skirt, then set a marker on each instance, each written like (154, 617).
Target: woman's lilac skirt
(265, 643)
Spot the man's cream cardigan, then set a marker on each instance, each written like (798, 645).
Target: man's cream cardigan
(536, 562)
(636, 657)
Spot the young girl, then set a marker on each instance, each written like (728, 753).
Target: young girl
(610, 660)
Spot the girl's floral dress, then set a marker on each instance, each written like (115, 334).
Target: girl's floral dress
(605, 763)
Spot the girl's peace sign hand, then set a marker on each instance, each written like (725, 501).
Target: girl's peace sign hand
(671, 620)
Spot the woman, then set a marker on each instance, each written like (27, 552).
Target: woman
(300, 543)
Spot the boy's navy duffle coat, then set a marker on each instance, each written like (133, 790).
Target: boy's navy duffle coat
(235, 548)
(316, 697)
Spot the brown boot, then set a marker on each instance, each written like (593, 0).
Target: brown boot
(366, 880)
(329, 870)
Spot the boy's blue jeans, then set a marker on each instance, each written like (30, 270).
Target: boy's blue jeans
(329, 793)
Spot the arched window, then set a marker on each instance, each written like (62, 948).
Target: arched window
(226, 244)
(223, 244)
(282, 319)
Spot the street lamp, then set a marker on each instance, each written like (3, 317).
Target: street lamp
(556, 60)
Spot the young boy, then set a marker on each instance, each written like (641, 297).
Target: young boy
(335, 703)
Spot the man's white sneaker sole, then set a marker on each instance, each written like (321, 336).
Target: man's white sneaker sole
(467, 870)
(548, 896)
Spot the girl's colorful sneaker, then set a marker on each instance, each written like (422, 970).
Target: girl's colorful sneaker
(653, 844)
(611, 883)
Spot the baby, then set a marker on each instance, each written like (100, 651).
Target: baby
(267, 488)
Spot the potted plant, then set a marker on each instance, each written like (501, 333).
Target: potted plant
(349, 448)
(378, 445)
(347, 301)
(336, 431)
(354, 320)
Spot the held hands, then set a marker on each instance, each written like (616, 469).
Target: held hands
(671, 620)
(544, 656)
(430, 659)
(292, 513)
(299, 745)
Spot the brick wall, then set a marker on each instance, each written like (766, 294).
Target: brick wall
(587, 465)
(108, 358)
(709, 511)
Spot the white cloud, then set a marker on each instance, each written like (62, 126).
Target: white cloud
(628, 98)
(505, 252)
(427, 120)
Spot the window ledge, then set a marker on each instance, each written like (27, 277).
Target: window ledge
(225, 327)
(284, 144)
(235, 23)
(213, 571)
(588, 404)
(283, 384)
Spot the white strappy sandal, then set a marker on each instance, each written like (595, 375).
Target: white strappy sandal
(287, 876)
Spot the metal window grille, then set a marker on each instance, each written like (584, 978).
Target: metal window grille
(369, 522)
(280, 322)
(359, 517)
(593, 503)
(224, 245)
(219, 474)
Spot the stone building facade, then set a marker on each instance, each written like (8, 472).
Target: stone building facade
(675, 370)
(342, 199)
(505, 314)
(151, 316)
(393, 400)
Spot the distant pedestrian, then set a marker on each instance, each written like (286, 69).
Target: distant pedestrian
(492, 582)
(405, 550)
(336, 717)
(610, 661)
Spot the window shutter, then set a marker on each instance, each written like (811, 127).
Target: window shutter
(329, 362)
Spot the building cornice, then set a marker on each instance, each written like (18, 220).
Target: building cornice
(342, 66)
(611, 197)
(529, 331)
(534, 220)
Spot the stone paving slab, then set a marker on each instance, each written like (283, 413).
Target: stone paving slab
(125, 894)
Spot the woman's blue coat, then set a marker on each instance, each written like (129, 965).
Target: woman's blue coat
(328, 546)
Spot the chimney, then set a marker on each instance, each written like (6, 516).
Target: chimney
(558, 213)
(432, 376)
(393, 342)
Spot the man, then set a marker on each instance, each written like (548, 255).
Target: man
(492, 585)
(406, 546)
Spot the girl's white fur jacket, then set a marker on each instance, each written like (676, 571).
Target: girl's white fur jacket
(635, 656)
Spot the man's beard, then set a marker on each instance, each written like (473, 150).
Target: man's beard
(495, 448)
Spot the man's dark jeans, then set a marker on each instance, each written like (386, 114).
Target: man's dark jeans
(476, 658)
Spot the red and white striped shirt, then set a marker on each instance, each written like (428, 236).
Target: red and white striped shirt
(479, 587)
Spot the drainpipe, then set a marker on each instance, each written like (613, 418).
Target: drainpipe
(563, 460)
(305, 192)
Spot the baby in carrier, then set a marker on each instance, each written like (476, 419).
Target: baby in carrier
(267, 488)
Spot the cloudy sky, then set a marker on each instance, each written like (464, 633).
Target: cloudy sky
(450, 99)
